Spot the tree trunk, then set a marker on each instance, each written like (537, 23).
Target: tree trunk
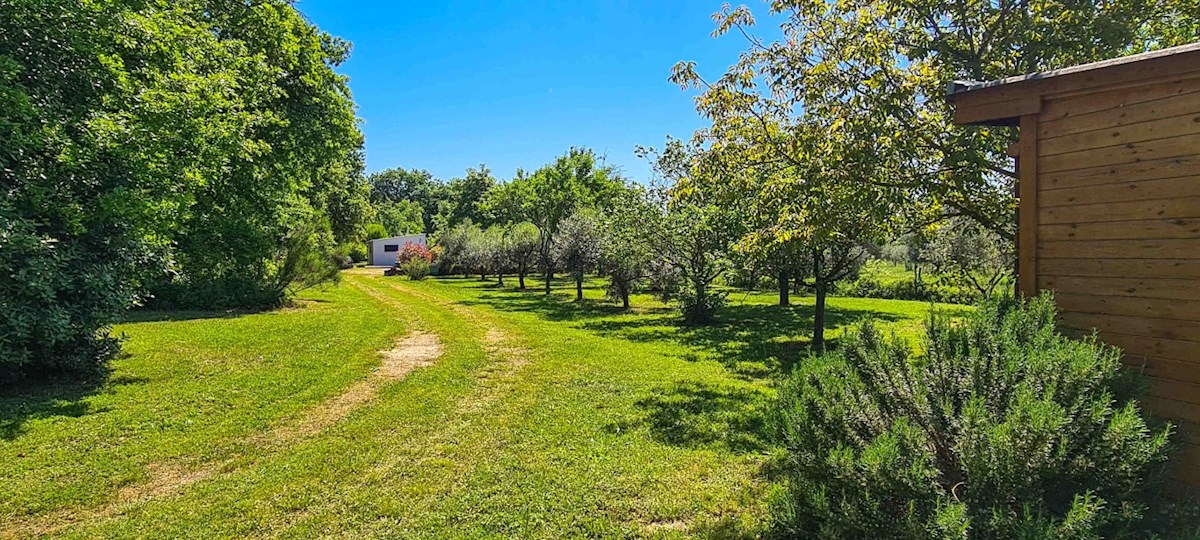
(521, 276)
(625, 298)
(578, 286)
(500, 279)
(818, 340)
(785, 284)
(549, 276)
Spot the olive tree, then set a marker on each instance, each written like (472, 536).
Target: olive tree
(965, 252)
(625, 257)
(577, 247)
(574, 180)
(521, 242)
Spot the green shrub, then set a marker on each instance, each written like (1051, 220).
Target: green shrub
(357, 252)
(700, 308)
(58, 300)
(1000, 428)
(888, 280)
(416, 268)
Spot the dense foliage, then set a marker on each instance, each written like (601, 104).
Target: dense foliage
(998, 428)
(288, 187)
(203, 149)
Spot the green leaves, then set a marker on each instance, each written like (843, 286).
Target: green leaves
(998, 428)
(191, 144)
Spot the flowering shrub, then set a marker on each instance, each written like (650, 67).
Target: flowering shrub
(412, 251)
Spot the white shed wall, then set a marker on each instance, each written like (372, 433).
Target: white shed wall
(379, 248)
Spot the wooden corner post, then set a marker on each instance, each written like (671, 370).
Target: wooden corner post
(1027, 165)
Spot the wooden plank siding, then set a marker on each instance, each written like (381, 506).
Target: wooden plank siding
(1109, 187)
(1118, 231)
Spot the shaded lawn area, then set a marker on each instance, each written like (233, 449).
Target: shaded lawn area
(752, 335)
(542, 419)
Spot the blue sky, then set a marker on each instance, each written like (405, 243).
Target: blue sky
(512, 84)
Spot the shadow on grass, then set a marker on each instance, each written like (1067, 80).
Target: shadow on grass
(753, 340)
(48, 399)
(761, 334)
(160, 315)
(692, 414)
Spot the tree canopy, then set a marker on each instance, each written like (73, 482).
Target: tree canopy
(203, 143)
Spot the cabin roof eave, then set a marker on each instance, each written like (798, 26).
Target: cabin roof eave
(1004, 101)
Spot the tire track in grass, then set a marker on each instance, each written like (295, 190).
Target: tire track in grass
(416, 350)
(498, 377)
(438, 457)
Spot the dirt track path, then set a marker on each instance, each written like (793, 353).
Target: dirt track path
(416, 350)
(495, 379)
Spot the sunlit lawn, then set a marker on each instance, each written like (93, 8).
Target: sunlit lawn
(611, 424)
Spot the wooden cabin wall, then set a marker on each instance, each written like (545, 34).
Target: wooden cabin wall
(1118, 234)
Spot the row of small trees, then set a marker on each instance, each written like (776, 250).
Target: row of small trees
(680, 236)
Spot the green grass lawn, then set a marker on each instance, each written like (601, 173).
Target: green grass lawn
(543, 418)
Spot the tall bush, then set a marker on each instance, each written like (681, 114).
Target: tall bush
(292, 161)
(99, 144)
(998, 428)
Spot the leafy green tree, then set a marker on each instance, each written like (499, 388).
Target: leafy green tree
(466, 196)
(522, 242)
(556, 190)
(577, 247)
(398, 218)
(689, 230)
(349, 209)
(496, 251)
(625, 257)
(455, 244)
(505, 203)
(892, 60)
(484, 251)
(376, 230)
(812, 170)
(415, 185)
(964, 252)
(116, 119)
(299, 146)
(786, 260)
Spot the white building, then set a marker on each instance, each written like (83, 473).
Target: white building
(383, 251)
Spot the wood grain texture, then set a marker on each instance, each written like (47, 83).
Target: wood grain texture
(1166, 208)
(1167, 268)
(1134, 152)
(1096, 110)
(1137, 190)
(1181, 289)
(1155, 248)
(1122, 230)
(1027, 240)
(1154, 308)
(1135, 326)
(1150, 129)
(1182, 166)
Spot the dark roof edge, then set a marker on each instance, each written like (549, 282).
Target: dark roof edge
(959, 87)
